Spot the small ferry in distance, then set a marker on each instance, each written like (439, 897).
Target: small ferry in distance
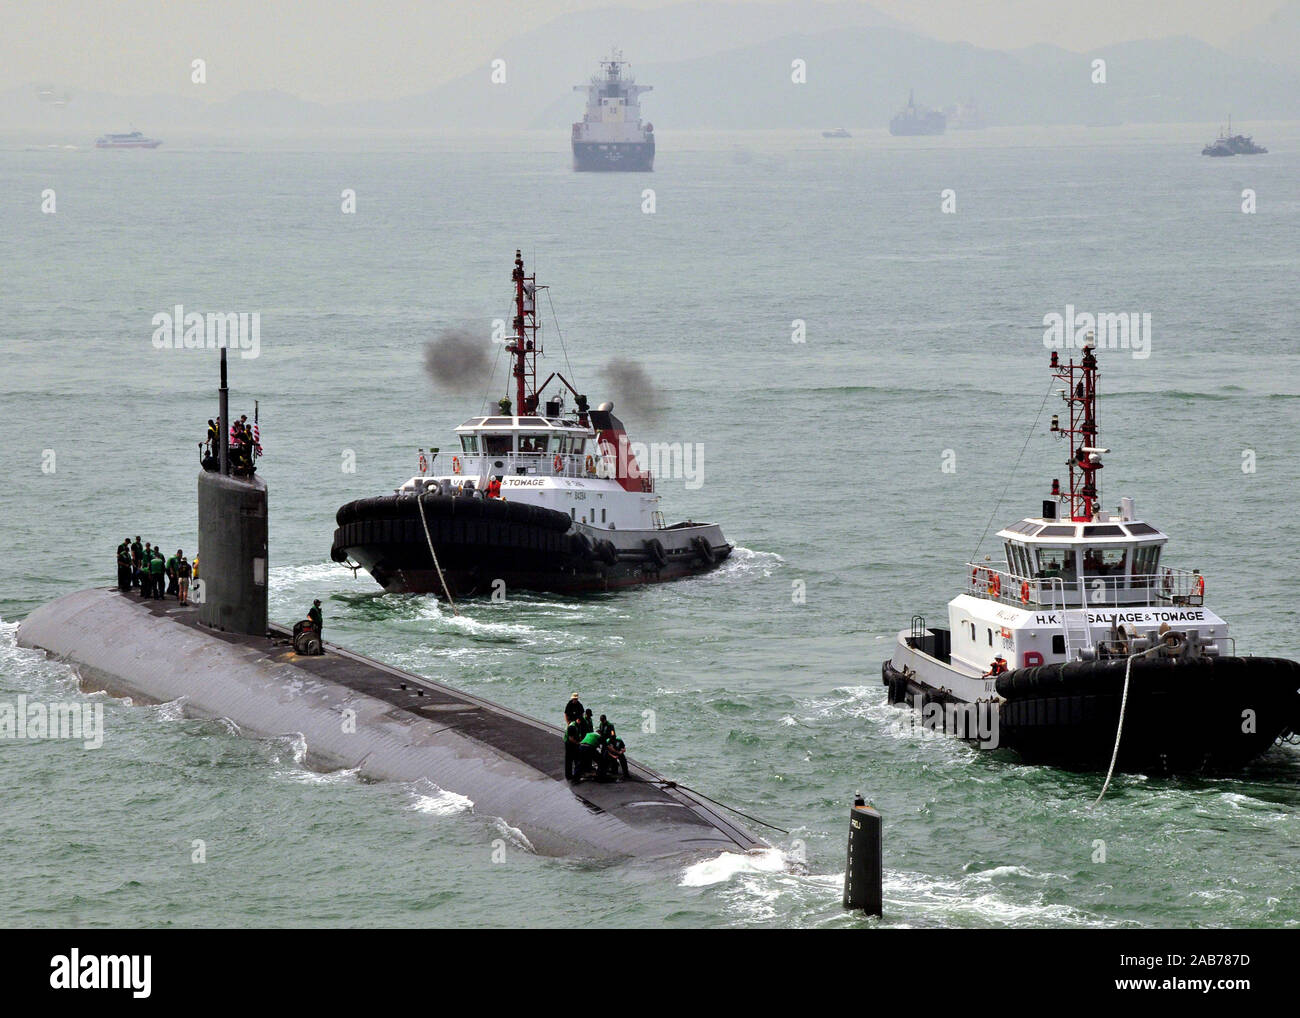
(839, 132)
(1083, 647)
(914, 119)
(538, 496)
(132, 140)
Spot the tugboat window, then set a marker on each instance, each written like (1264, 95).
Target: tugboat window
(1104, 561)
(469, 443)
(1056, 562)
(1146, 558)
(498, 445)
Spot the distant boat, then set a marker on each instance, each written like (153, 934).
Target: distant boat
(914, 119)
(133, 140)
(839, 132)
(1229, 144)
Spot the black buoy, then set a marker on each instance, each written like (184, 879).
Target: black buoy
(863, 876)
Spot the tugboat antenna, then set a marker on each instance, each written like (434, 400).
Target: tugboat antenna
(1081, 396)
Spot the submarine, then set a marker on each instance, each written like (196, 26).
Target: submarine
(220, 657)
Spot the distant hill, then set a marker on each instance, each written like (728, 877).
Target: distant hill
(713, 65)
(1276, 40)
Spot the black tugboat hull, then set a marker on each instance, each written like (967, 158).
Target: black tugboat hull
(487, 546)
(1201, 715)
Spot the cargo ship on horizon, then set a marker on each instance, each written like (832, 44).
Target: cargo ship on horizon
(610, 136)
(915, 120)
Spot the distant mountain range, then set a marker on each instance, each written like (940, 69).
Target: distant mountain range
(716, 65)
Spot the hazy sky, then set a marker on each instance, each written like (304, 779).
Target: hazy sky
(332, 49)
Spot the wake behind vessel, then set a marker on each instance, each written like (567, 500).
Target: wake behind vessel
(610, 136)
(569, 507)
(1083, 629)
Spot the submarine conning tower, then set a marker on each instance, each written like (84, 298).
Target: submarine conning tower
(232, 539)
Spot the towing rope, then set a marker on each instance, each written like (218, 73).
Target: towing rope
(419, 501)
(686, 788)
(1119, 729)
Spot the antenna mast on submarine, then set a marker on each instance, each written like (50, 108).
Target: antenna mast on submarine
(224, 420)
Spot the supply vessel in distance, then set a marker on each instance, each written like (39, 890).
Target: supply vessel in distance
(539, 496)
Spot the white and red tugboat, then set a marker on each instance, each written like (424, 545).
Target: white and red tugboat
(1083, 626)
(538, 497)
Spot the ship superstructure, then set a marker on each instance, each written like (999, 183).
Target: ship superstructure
(611, 136)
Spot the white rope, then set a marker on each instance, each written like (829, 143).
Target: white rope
(1119, 730)
(419, 501)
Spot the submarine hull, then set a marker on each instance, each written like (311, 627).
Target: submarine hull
(488, 545)
(1183, 716)
(354, 712)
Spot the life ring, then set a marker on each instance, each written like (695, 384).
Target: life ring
(1200, 586)
(558, 463)
(1024, 592)
(424, 464)
(975, 576)
(995, 584)
(455, 464)
(591, 464)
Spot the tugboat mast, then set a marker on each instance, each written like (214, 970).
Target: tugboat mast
(525, 346)
(1080, 394)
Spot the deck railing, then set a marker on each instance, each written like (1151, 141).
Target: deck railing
(1167, 587)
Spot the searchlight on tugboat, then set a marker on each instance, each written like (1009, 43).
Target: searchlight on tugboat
(539, 496)
(1084, 648)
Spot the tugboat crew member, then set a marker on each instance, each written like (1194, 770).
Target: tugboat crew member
(494, 487)
(314, 613)
(998, 666)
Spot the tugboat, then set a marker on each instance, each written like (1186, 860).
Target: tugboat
(914, 119)
(839, 132)
(133, 140)
(536, 497)
(1083, 639)
(610, 136)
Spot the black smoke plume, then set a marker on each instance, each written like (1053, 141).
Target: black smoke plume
(635, 394)
(457, 360)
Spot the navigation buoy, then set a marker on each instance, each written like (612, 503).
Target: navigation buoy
(863, 877)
